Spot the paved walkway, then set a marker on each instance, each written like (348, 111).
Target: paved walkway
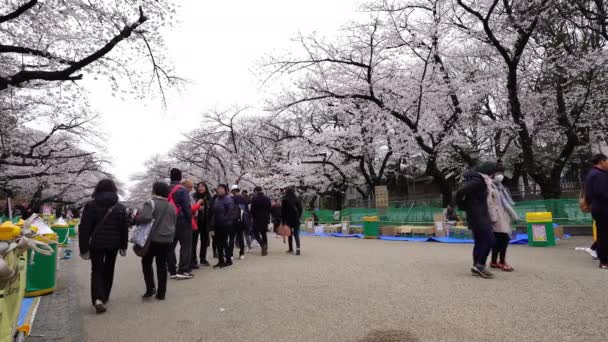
(361, 290)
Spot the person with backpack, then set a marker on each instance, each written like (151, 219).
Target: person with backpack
(596, 196)
(473, 198)
(260, 214)
(103, 233)
(223, 215)
(163, 215)
(179, 197)
(291, 212)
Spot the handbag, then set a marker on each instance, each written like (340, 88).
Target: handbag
(141, 232)
(284, 230)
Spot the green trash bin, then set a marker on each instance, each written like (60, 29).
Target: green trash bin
(371, 227)
(63, 234)
(42, 270)
(540, 229)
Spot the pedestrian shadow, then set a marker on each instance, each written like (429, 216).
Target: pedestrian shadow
(389, 336)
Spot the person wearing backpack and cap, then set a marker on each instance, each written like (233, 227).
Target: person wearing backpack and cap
(473, 198)
(179, 197)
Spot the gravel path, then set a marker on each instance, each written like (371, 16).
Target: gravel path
(362, 290)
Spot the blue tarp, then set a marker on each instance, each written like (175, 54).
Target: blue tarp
(401, 238)
(26, 306)
(520, 239)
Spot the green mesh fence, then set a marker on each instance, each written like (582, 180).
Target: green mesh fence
(565, 212)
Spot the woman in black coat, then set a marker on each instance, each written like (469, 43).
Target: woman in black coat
(202, 197)
(103, 232)
(291, 211)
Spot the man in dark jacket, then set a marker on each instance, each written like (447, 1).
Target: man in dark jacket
(222, 226)
(473, 198)
(260, 214)
(596, 193)
(243, 224)
(180, 197)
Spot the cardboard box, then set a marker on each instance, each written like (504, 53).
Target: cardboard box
(388, 231)
(558, 232)
(426, 231)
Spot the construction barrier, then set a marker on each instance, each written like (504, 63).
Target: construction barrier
(565, 212)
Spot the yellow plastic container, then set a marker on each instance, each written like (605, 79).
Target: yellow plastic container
(540, 229)
(9, 231)
(539, 217)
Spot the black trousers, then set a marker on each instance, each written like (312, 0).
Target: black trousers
(160, 252)
(240, 240)
(295, 234)
(260, 233)
(183, 235)
(601, 224)
(224, 240)
(102, 273)
(484, 241)
(203, 234)
(500, 247)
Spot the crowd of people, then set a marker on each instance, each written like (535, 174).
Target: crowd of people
(185, 214)
(196, 219)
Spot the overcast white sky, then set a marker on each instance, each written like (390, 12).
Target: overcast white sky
(215, 45)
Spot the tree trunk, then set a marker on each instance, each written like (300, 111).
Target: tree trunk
(551, 188)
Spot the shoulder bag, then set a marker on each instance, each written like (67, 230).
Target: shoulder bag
(99, 225)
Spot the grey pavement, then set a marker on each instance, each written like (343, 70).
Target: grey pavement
(361, 290)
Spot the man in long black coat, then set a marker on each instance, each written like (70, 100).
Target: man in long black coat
(260, 213)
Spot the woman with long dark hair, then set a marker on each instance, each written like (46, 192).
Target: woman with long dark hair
(203, 216)
(103, 232)
(291, 211)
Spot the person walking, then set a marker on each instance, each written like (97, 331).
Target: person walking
(291, 212)
(222, 226)
(161, 239)
(275, 213)
(596, 194)
(502, 214)
(242, 223)
(203, 216)
(473, 198)
(260, 215)
(103, 233)
(180, 198)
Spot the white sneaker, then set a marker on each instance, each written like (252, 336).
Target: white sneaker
(592, 253)
(241, 257)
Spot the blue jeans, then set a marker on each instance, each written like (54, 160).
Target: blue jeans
(484, 241)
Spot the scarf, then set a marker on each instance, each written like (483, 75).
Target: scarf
(506, 200)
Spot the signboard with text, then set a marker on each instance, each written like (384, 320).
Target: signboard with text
(381, 197)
